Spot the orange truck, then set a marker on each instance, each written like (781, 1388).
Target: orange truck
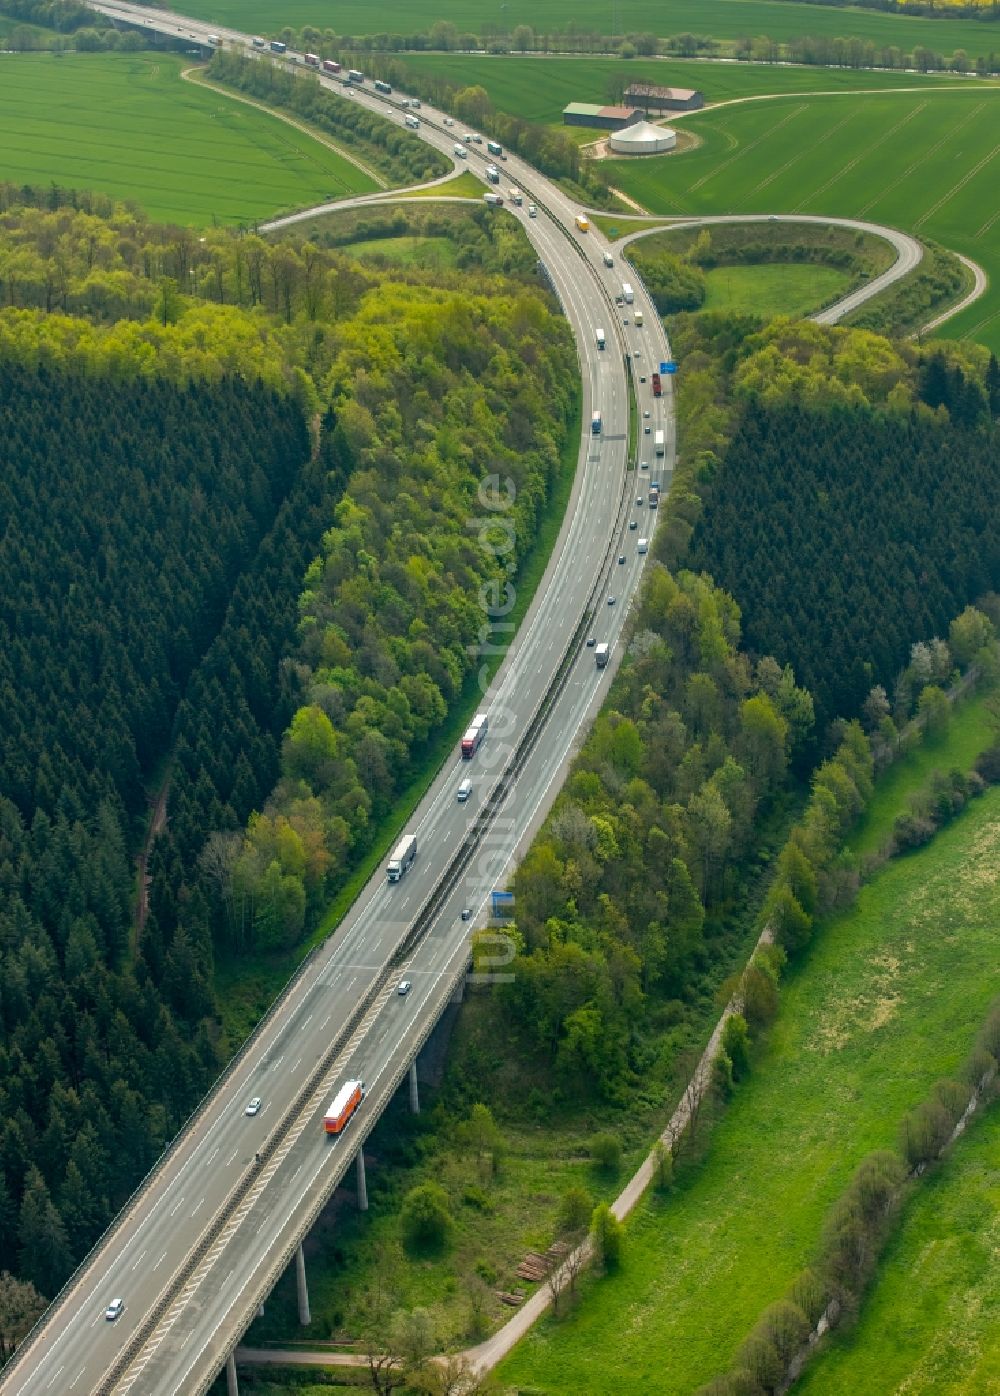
(343, 1106)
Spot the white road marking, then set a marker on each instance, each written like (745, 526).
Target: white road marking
(160, 1261)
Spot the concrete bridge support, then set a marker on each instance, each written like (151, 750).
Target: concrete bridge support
(362, 1182)
(303, 1290)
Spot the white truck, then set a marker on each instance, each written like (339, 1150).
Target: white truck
(413, 122)
(402, 856)
(659, 443)
(628, 295)
(601, 655)
(460, 151)
(601, 342)
(493, 199)
(516, 197)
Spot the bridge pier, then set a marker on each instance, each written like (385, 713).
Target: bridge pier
(414, 1089)
(300, 1282)
(362, 1182)
(231, 1387)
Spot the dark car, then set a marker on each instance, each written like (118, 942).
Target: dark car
(621, 559)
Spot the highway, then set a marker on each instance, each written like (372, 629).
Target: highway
(201, 1244)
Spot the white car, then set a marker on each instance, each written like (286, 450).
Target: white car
(448, 121)
(253, 1107)
(114, 1310)
(532, 211)
(404, 988)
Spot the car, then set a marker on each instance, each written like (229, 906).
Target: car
(404, 988)
(646, 429)
(619, 300)
(624, 319)
(253, 1107)
(591, 641)
(645, 412)
(637, 354)
(114, 1310)
(611, 600)
(642, 377)
(466, 913)
(448, 121)
(639, 501)
(621, 559)
(532, 211)
(632, 525)
(644, 465)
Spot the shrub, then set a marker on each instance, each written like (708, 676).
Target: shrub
(785, 1327)
(606, 1151)
(663, 1165)
(810, 1294)
(425, 1218)
(575, 1210)
(606, 1234)
(722, 1074)
(736, 1044)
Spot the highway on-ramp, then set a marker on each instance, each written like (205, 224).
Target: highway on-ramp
(201, 1243)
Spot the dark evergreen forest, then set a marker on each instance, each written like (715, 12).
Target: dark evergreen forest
(153, 543)
(847, 534)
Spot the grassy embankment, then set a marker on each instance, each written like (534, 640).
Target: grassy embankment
(887, 1000)
(127, 125)
(724, 19)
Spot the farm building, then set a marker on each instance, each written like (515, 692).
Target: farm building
(605, 118)
(642, 139)
(651, 98)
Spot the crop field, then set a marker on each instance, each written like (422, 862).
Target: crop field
(931, 1325)
(129, 126)
(926, 162)
(538, 89)
(724, 19)
(888, 999)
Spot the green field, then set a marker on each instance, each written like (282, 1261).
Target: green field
(931, 1325)
(725, 19)
(927, 162)
(423, 252)
(773, 289)
(538, 89)
(888, 999)
(129, 126)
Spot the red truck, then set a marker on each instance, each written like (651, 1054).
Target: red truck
(343, 1106)
(312, 59)
(474, 735)
(657, 386)
(329, 66)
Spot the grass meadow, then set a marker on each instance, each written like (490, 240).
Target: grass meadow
(127, 125)
(888, 999)
(724, 19)
(927, 162)
(779, 288)
(931, 1325)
